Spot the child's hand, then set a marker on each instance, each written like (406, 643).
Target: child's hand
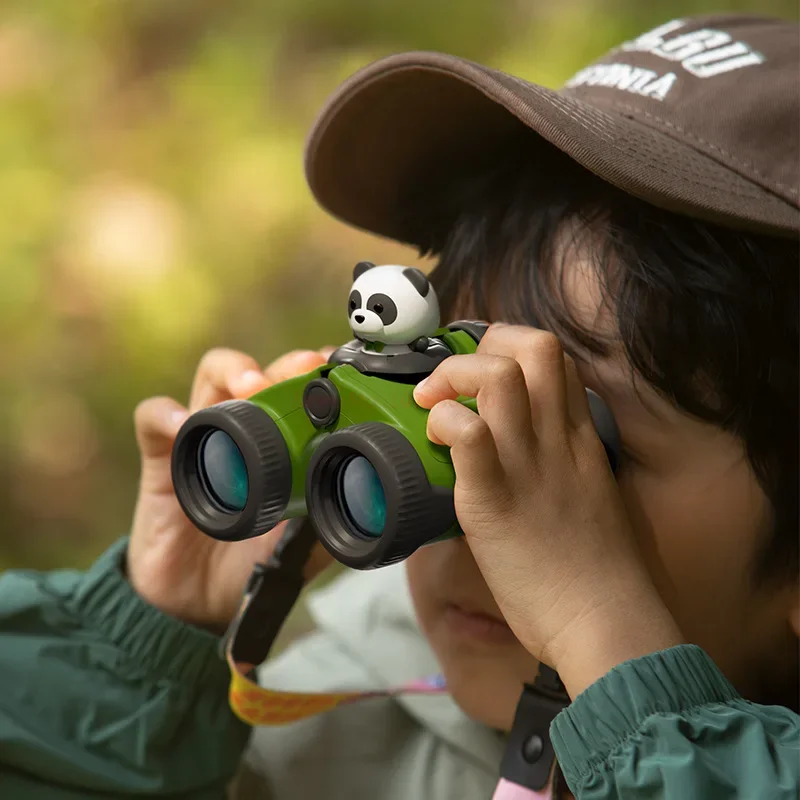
(540, 508)
(170, 563)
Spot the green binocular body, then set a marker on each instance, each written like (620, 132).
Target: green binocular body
(342, 445)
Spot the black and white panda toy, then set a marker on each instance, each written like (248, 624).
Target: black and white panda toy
(393, 312)
(392, 305)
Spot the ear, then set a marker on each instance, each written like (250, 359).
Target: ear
(361, 268)
(418, 280)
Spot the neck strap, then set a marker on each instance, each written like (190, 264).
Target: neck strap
(528, 767)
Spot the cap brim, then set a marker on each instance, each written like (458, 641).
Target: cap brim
(408, 124)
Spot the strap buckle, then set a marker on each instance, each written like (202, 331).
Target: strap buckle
(271, 592)
(529, 758)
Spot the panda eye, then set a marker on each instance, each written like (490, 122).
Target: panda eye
(352, 305)
(383, 306)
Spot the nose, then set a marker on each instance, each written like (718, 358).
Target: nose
(359, 318)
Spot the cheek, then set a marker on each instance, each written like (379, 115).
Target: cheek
(438, 574)
(446, 572)
(421, 571)
(697, 530)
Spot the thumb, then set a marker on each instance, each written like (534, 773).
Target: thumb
(157, 421)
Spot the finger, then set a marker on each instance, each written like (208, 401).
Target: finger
(473, 449)
(542, 360)
(328, 351)
(498, 385)
(290, 365)
(157, 421)
(224, 374)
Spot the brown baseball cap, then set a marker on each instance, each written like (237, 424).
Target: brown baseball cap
(700, 116)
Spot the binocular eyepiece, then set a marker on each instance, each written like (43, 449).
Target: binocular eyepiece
(344, 445)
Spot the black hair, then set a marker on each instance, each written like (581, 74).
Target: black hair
(708, 315)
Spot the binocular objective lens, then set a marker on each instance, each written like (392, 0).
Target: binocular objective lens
(222, 471)
(361, 496)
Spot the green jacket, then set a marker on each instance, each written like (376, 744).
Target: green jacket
(103, 696)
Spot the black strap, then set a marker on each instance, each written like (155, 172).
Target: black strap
(271, 592)
(529, 757)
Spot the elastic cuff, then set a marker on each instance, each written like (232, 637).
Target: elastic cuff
(614, 707)
(160, 643)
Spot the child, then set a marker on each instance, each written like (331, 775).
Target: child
(667, 282)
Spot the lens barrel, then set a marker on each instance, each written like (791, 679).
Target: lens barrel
(231, 470)
(369, 498)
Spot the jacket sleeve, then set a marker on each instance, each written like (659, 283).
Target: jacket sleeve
(102, 695)
(670, 725)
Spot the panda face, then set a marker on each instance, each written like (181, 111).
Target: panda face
(386, 305)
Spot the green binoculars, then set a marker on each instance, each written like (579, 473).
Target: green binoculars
(344, 445)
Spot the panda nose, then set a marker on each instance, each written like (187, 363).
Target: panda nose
(359, 318)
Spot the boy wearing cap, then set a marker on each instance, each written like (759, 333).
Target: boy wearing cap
(638, 230)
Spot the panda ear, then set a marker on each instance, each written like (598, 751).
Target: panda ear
(418, 280)
(361, 268)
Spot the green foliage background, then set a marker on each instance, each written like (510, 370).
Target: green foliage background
(154, 206)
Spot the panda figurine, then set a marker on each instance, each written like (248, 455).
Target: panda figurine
(393, 312)
(393, 306)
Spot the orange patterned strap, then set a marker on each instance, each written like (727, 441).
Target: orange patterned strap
(257, 705)
(272, 590)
